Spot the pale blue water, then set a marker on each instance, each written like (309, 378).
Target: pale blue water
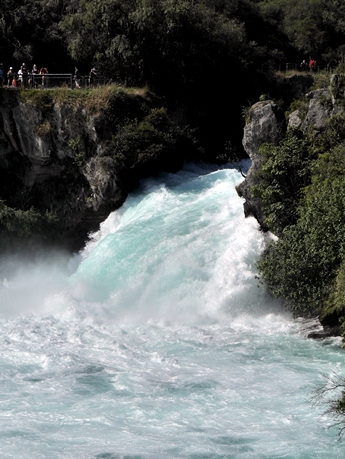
(156, 342)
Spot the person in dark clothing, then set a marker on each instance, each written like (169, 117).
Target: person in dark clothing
(33, 82)
(10, 76)
(93, 75)
(2, 75)
(24, 75)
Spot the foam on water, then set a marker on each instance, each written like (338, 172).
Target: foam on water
(182, 252)
(161, 344)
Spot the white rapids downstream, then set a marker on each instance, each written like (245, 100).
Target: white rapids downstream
(158, 342)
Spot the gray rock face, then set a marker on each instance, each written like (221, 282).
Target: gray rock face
(264, 126)
(323, 104)
(295, 121)
(57, 162)
(69, 159)
(320, 109)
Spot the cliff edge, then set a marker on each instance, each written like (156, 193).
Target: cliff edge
(72, 157)
(300, 183)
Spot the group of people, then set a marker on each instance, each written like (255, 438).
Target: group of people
(308, 66)
(92, 77)
(24, 78)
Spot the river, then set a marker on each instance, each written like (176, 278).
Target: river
(157, 341)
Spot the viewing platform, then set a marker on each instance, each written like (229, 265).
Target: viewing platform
(54, 80)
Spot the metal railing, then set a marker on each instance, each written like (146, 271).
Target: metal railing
(297, 67)
(68, 80)
(50, 80)
(54, 80)
(86, 82)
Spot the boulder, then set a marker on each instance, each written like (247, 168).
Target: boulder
(265, 125)
(294, 121)
(319, 111)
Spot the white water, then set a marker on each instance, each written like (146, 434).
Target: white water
(157, 342)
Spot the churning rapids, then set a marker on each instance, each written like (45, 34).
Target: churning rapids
(158, 342)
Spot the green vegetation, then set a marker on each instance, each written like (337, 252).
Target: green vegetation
(169, 45)
(182, 71)
(302, 105)
(93, 99)
(284, 172)
(330, 395)
(24, 223)
(120, 35)
(155, 141)
(194, 53)
(321, 80)
(303, 191)
(137, 137)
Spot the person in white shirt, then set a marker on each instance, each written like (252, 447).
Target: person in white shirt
(20, 77)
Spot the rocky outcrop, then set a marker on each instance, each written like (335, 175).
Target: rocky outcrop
(323, 103)
(320, 109)
(57, 161)
(321, 133)
(62, 156)
(265, 125)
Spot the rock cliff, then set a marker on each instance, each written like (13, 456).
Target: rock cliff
(315, 154)
(265, 124)
(62, 157)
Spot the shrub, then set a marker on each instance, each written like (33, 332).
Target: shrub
(284, 171)
(302, 266)
(25, 222)
(302, 105)
(139, 142)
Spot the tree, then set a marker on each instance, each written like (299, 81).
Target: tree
(330, 396)
(29, 31)
(163, 43)
(284, 171)
(312, 27)
(192, 54)
(302, 266)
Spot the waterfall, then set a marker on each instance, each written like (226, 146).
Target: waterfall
(157, 340)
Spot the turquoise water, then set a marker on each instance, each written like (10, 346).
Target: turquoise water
(157, 341)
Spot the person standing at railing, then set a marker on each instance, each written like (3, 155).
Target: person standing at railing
(10, 77)
(312, 65)
(2, 75)
(43, 72)
(25, 75)
(92, 75)
(20, 77)
(32, 81)
(77, 77)
(303, 66)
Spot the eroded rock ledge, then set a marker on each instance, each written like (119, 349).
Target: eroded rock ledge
(266, 124)
(63, 157)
